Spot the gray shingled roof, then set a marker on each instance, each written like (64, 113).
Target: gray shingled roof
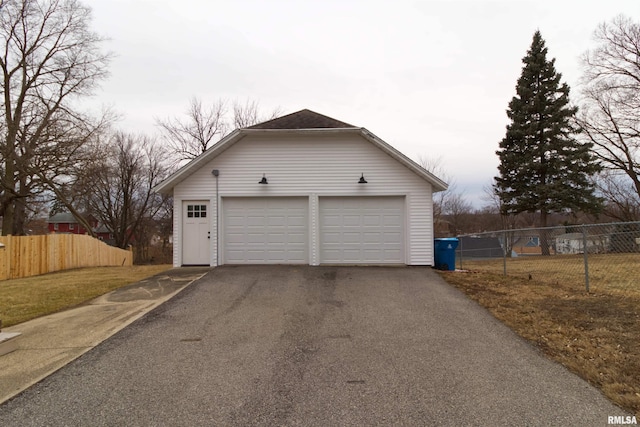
(62, 217)
(303, 119)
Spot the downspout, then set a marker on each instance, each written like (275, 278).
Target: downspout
(216, 173)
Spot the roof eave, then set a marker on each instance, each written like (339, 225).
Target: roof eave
(307, 131)
(166, 186)
(437, 183)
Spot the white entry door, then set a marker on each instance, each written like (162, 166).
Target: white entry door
(265, 230)
(196, 233)
(362, 230)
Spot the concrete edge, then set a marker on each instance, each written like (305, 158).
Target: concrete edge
(8, 342)
(124, 324)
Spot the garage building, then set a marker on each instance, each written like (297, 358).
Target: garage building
(302, 189)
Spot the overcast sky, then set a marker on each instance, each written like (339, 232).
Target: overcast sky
(431, 78)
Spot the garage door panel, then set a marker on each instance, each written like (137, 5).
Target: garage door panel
(276, 238)
(332, 221)
(235, 221)
(353, 238)
(362, 230)
(265, 230)
(300, 239)
(331, 238)
(391, 220)
(234, 238)
(253, 221)
(372, 255)
(395, 253)
(276, 221)
(351, 220)
(371, 221)
(372, 238)
(297, 221)
(254, 238)
(351, 255)
(252, 256)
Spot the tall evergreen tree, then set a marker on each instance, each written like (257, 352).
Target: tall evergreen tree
(543, 168)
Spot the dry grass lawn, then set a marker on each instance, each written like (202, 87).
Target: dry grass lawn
(28, 298)
(595, 334)
(607, 272)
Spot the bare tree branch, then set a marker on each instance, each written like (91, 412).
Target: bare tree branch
(49, 58)
(610, 110)
(202, 126)
(248, 114)
(121, 183)
(193, 135)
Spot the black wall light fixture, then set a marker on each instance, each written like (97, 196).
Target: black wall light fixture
(362, 180)
(263, 180)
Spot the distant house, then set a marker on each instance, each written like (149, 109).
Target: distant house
(528, 244)
(66, 223)
(573, 243)
(531, 241)
(103, 233)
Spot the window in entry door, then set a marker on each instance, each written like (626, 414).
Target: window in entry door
(196, 211)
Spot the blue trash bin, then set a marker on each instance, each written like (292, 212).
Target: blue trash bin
(445, 253)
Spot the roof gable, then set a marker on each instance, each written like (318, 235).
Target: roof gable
(303, 119)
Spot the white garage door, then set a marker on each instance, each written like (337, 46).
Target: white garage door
(362, 230)
(265, 230)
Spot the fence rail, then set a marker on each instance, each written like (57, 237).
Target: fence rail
(24, 256)
(600, 255)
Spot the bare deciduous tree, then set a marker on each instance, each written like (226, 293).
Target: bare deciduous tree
(435, 166)
(458, 212)
(507, 220)
(74, 147)
(202, 126)
(622, 200)
(248, 114)
(48, 58)
(193, 135)
(449, 203)
(610, 110)
(121, 195)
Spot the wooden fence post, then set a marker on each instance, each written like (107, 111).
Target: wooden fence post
(4, 259)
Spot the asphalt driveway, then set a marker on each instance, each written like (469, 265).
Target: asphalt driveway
(322, 346)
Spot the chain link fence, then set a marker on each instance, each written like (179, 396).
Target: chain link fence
(595, 257)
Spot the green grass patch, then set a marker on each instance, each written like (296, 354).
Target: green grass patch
(31, 297)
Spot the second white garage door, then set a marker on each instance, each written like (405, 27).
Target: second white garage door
(265, 230)
(362, 230)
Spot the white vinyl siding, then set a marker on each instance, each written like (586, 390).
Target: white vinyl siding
(312, 166)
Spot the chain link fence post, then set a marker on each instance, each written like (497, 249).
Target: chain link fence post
(585, 249)
(504, 252)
